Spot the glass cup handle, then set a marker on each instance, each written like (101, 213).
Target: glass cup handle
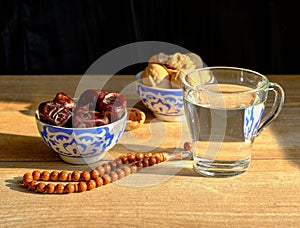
(276, 108)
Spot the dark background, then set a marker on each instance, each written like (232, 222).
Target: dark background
(66, 37)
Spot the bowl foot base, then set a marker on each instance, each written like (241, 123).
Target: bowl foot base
(82, 161)
(170, 118)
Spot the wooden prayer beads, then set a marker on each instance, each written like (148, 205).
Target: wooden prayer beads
(82, 181)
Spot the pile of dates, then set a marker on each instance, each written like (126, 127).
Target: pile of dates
(93, 108)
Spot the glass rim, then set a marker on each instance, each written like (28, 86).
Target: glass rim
(198, 87)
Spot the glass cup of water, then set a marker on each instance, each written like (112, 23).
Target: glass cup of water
(224, 108)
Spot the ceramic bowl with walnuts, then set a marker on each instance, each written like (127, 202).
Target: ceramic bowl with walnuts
(166, 104)
(159, 85)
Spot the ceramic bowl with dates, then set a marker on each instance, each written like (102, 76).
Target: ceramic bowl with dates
(159, 85)
(82, 130)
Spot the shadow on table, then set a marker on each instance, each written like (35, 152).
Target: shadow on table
(19, 148)
(175, 167)
(288, 142)
(285, 129)
(16, 184)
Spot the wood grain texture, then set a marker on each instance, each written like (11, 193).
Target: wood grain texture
(170, 195)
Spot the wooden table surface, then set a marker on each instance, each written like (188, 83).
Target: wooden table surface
(167, 195)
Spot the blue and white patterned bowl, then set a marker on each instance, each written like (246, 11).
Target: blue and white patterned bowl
(166, 104)
(82, 145)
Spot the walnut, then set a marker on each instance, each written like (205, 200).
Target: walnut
(156, 75)
(180, 62)
(135, 119)
(166, 71)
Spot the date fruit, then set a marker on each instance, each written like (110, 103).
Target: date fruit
(64, 100)
(92, 97)
(84, 117)
(113, 105)
(94, 108)
(58, 111)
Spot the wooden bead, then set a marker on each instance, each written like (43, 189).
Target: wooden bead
(106, 179)
(107, 168)
(131, 157)
(85, 176)
(59, 188)
(124, 159)
(99, 182)
(157, 157)
(75, 187)
(119, 162)
(139, 165)
(41, 187)
(69, 188)
(113, 165)
(94, 174)
(126, 170)
(26, 184)
(36, 174)
(75, 176)
(120, 173)
(69, 178)
(133, 168)
(187, 146)
(139, 156)
(82, 187)
(91, 184)
(113, 176)
(145, 162)
(148, 155)
(32, 185)
(45, 175)
(63, 176)
(27, 178)
(161, 157)
(101, 170)
(54, 175)
(152, 161)
(50, 188)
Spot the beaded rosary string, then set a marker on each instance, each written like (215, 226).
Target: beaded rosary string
(104, 174)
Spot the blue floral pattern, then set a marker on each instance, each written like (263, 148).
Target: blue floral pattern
(252, 118)
(166, 102)
(82, 142)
